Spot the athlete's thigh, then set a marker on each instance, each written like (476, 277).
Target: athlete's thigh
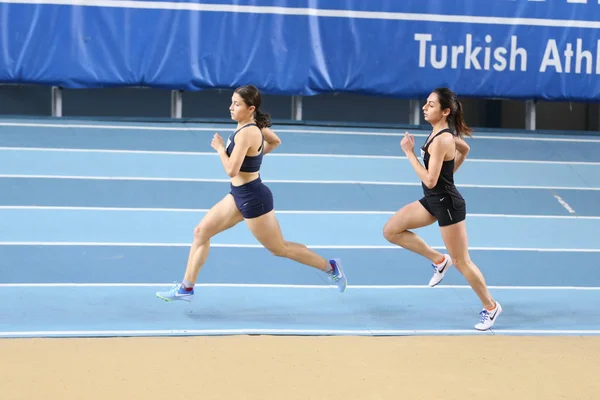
(220, 217)
(266, 230)
(411, 216)
(456, 241)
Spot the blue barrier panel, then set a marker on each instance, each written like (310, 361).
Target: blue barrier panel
(494, 48)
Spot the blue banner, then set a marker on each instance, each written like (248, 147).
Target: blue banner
(482, 48)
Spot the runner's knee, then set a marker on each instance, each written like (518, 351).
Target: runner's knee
(461, 262)
(201, 233)
(392, 230)
(278, 249)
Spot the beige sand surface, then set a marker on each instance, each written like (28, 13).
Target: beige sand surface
(303, 368)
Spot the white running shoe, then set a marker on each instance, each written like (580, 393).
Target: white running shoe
(439, 270)
(488, 318)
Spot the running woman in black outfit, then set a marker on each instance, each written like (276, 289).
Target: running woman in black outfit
(443, 153)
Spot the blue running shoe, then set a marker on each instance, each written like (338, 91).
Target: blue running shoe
(177, 292)
(337, 274)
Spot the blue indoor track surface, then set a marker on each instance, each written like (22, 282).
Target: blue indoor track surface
(96, 217)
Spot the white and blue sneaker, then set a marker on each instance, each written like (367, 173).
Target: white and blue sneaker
(337, 274)
(177, 292)
(439, 270)
(488, 318)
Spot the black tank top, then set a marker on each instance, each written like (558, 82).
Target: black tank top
(445, 183)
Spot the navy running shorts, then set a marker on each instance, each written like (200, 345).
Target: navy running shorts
(253, 199)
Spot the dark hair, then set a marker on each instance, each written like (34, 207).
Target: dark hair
(251, 96)
(456, 122)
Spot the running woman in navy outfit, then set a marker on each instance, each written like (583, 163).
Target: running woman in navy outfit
(443, 153)
(249, 199)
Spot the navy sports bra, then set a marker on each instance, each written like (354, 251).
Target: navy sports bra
(250, 163)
